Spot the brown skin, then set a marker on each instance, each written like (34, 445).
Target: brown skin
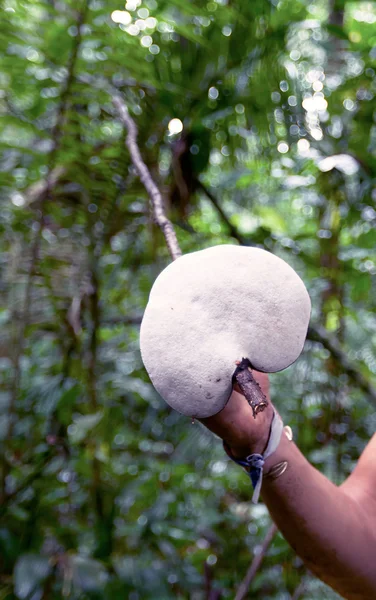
(235, 422)
(333, 529)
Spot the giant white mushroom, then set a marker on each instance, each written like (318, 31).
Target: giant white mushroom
(211, 308)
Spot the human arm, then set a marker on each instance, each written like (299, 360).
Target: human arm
(333, 529)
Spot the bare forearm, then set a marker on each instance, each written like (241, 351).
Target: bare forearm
(332, 528)
(326, 526)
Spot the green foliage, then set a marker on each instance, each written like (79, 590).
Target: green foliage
(106, 493)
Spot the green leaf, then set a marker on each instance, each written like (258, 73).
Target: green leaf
(88, 575)
(29, 572)
(271, 219)
(82, 425)
(66, 404)
(361, 288)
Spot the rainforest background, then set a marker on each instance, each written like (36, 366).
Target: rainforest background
(257, 122)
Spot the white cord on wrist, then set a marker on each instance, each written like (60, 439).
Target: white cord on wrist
(254, 463)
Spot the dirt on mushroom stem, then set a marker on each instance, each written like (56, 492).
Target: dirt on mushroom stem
(249, 387)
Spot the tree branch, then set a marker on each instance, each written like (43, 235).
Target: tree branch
(319, 334)
(56, 135)
(92, 391)
(146, 178)
(38, 190)
(299, 590)
(175, 251)
(315, 334)
(29, 479)
(256, 563)
(233, 231)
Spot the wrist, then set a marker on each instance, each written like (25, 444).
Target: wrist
(252, 441)
(254, 462)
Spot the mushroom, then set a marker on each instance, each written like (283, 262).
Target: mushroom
(210, 309)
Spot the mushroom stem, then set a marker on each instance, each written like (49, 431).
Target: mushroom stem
(249, 386)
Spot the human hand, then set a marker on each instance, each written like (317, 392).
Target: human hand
(235, 423)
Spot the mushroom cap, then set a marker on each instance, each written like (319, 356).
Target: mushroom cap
(213, 307)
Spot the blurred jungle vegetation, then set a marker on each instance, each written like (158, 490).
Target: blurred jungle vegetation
(257, 121)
